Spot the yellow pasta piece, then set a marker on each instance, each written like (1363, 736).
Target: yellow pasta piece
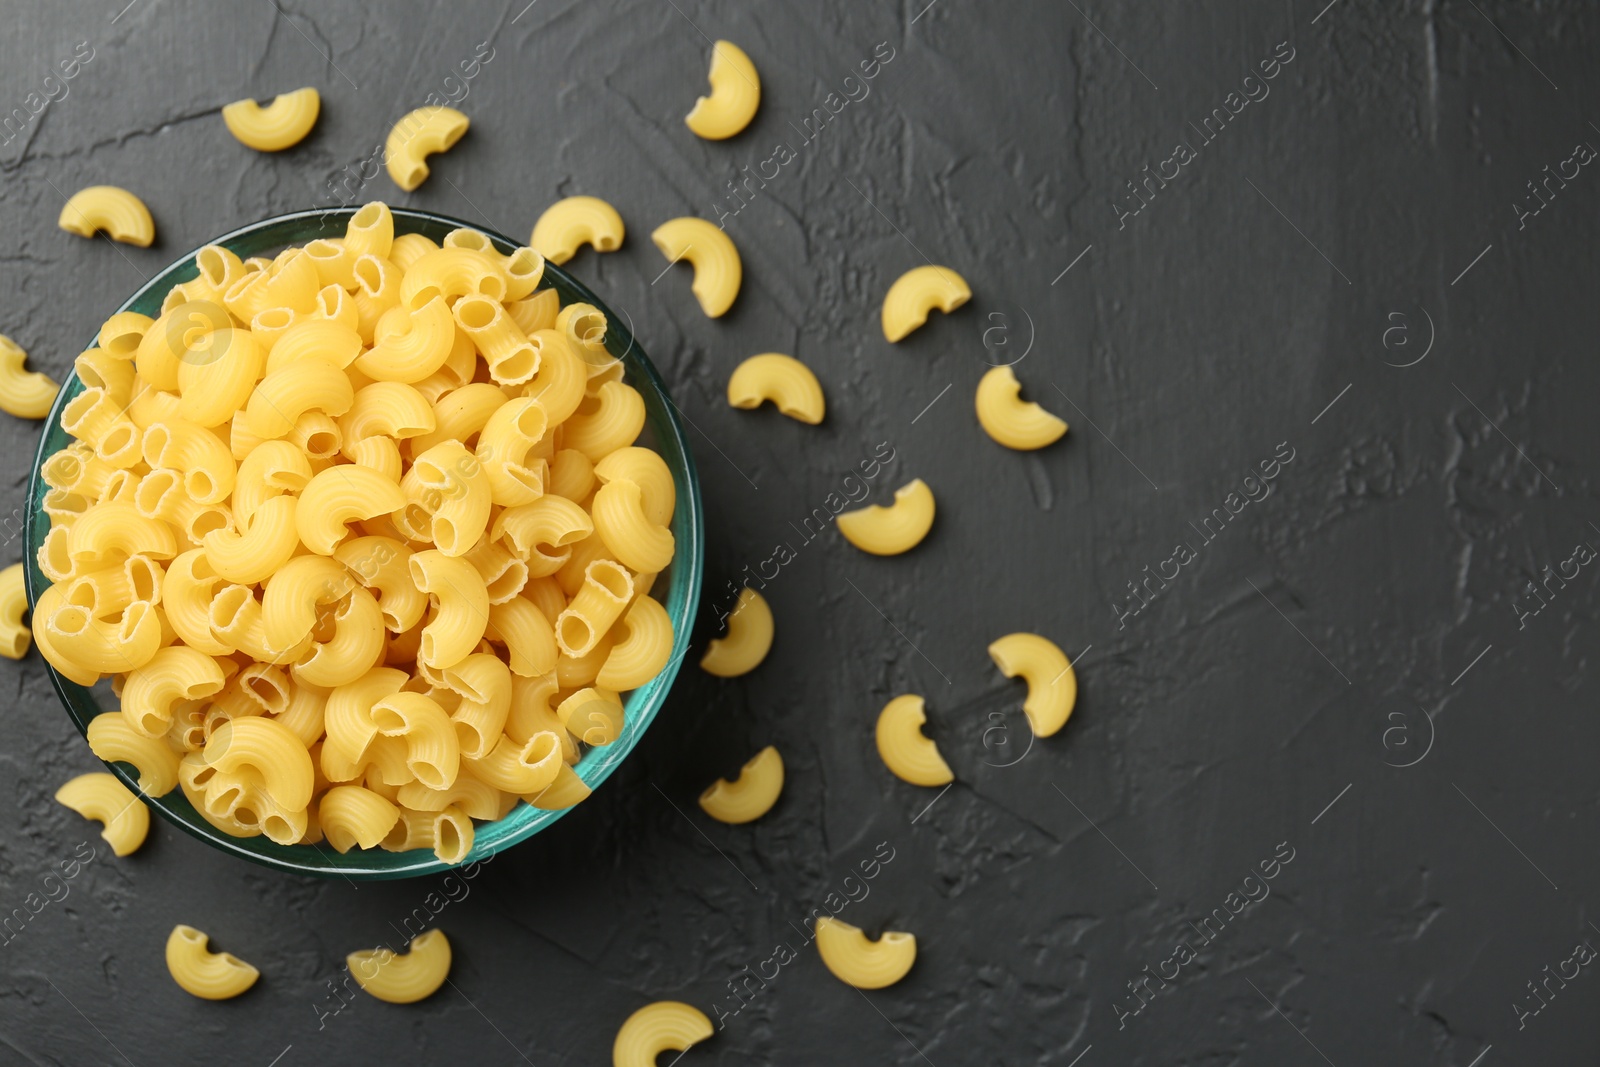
(113, 740)
(351, 816)
(607, 588)
(784, 380)
(859, 961)
(593, 716)
(341, 495)
(643, 649)
(665, 1026)
(433, 753)
(15, 634)
(121, 215)
(749, 796)
(462, 612)
(419, 134)
(710, 251)
(522, 768)
(281, 124)
(906, 751)
(1008, 419)
(917, 292)
(270, 750)
(370, 231)
(747, 642)
(621, 523)
(735, 95)
(573, 222)
(101, 797)
(178, 673)
(203, 973)
(567, 791)
(25, 394)
(889, 531)
(1052, 684)
(408, 978)
(410, 344)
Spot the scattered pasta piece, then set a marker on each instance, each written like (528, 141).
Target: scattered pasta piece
(784, 380)
(281, 124)
(749, 796)
(15, 634)
(710, 251)
(203, 973)
(858, 961)
(101, 797)
(25, 394)
(906, 751)
(735, 95)
(1010, 420)
(404, 979)
(889, 531)
(747, 642)
(665, 1026)
(917, 292)
(1052, 684)
(569, 224)
(118, 212)
(420, 134)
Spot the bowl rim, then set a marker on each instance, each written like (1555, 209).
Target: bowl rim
(598, 763)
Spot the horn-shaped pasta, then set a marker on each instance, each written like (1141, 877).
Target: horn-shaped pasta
(455, 483)
(503, 345)
(573, 222)
(584, 327)
(749, 638)
(15, 635)
(433, 754)
(749, 796)
(480, 800)
(106, 646)
(271, 469)
(593, 716)
(235, 617)
(216, 374)
(101, 797)
(536, 312)
(504, 445)
(356, 646)
(533, 530)
(121, 215)
(271, 750)
(309, 384)
(370, 231)
(112, 532)
(408, 978)
(203, 973)
(735, 95)
(605, 422)
(568, 790)
(417, 135)
(620, 521)
(906, 751)
(1008, 419)
(858, 961)
(448, 833)
(347, 716)
(463, 607)
(784, 380)
(254, 554)
(121, 333)
(528, 635)
(644, 649)
(417, 346)
(381, 564)
(386, 409)
(888, 531)
(483, 682)
(291, 596)
(562, 378)
(710, 251)
(665, 1026)
(1052, 684)
(646, 469)
(164, 342)
(186, 594)
(454, 272)
(113, 740)
(525, 767)
(96, 369)
(281, 124)
(174, 674)
(917, 292)
(340, 495)
(25, 394)
(352, 816)
(607, 588)
(315, 338)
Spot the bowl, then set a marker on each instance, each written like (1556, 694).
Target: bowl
(682, 580)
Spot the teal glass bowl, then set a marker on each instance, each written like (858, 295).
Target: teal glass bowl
(681, 581)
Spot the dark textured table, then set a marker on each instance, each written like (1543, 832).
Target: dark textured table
(1314, 287)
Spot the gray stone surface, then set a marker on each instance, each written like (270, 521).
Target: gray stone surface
(1341, 672)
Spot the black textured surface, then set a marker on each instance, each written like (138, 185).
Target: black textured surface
(1354, 639)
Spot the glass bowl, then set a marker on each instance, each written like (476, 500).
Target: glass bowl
(681, 581)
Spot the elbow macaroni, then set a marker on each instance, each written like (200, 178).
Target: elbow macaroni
(362, 538)
(203, 973)
(735, 95)
(417, 135)
(906, 751)
(710, 251)
(25, 394)
(408, 978)
(749, 796)
(569, 224)
(917, 292)
(857, 960)
(889, 531)
(784, 380)
(1052, 683)
(747, 642)
(281, 124)
(117, 212)
(665, 1026)
(1010, 420)
(99, 796)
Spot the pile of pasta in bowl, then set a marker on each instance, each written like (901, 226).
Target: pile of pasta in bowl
(362, 538)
